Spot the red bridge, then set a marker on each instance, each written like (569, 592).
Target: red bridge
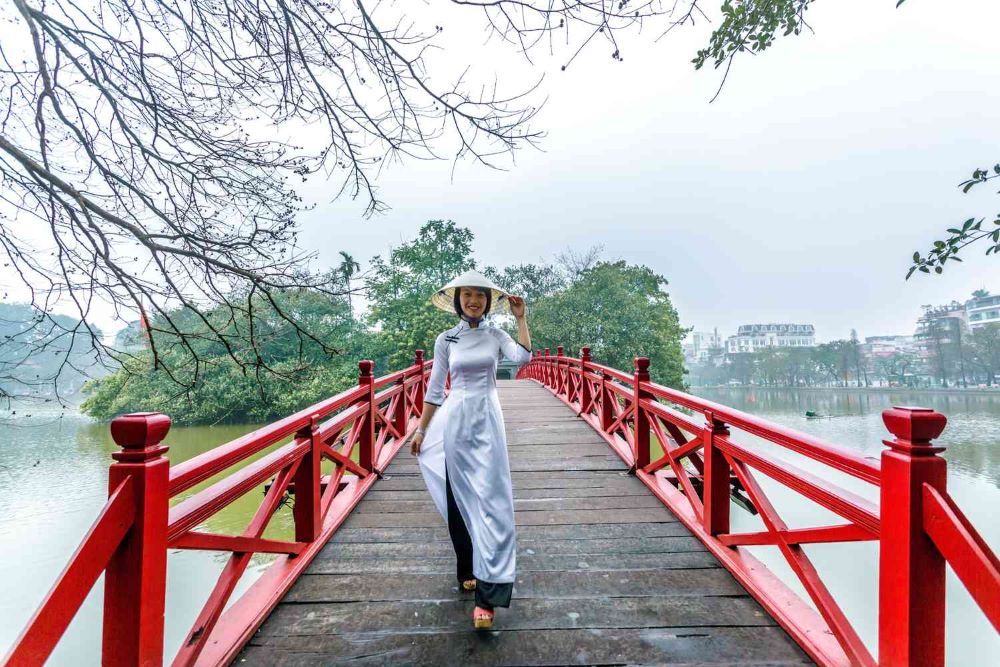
(624, 491)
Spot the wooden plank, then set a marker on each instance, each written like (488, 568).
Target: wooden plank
(522, 494)
(527, 518)
(442, 548)
(305, 620)
(696, 645)
(535, 562)
(607, 463)
(605, 574)
(615, 479)
(612, 531)
(375, 506)
(579, 584)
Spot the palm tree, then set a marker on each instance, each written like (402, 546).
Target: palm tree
(345, 271)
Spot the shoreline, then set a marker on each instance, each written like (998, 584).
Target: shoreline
(884, 390)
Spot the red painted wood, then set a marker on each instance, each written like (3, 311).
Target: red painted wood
(821, 535)
(840, 501)
(837, 457)
(717, 474)
(418, 396)
(586, 397)
(195, 470)
(964, 549)
(828, 637)
(214, 542)
(803, 568)
(200, 633)
(191, 512)
(135, 577)
(134, 560)
(366, 437)
(911, 570)
(60, 605)
(306, 510)
(640, 443)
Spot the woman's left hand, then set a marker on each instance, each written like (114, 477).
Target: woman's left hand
(516, 306)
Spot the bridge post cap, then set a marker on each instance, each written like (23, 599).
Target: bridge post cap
(914, 429)
(419, 354)
(546, 352)
(585, 352)
(139, 434)
(641, 364)
(366, 366)
(559, 350)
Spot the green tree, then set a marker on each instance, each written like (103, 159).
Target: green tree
(986, 351)
(621, 311)
(345, 272)
(530, 281)
(273, 378)
(400, 287)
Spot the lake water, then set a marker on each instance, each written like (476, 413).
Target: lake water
(850, 571)
(53, 482)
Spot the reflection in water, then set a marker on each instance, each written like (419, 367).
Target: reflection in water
(850, 571)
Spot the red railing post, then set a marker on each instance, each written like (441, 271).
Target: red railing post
(640, 453)
(585, 393)
(607, 396)
(306, 512)
(911, 570)
(136, 576)
(717, 473)
(418, 396)
(399, 416)
(560, 377)
(366, 438)
(547, 377)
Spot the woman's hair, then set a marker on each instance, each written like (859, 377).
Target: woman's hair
(458, 300)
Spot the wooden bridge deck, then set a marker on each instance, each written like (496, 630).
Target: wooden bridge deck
(606, 574)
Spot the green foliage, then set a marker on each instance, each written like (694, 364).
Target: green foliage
(621, 312)
(530, 281)
(751, 26)
(400, 288)
(221, 390)
(970, 231)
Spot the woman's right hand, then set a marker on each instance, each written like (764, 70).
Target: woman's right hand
(415, 442)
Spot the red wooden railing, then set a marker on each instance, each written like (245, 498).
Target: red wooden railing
(129, 540)
(917, 525)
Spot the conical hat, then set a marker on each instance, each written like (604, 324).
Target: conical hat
(444, 298)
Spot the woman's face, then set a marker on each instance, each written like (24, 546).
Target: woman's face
(473, 301)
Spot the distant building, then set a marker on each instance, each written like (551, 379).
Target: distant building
(982, 310)
(752, 338)
(698, 345)
(885, 346)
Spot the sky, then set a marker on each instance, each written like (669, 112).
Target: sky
(799, 195)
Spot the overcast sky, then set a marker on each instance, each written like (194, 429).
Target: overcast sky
(798, 196)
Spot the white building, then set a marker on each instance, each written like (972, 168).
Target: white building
(698, 345)
(983, 310)
(752, 338)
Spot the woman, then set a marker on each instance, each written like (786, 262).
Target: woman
(461, 442)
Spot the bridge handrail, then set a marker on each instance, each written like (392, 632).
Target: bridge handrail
(130, 538)
(918, 525)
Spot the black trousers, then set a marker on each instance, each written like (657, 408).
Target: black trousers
(488, 594)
